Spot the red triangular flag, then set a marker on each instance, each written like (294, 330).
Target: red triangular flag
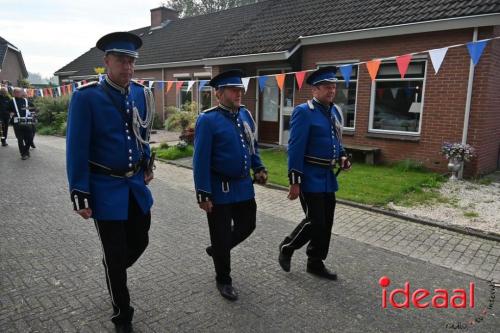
(280, 79)
(403, 62)
(178, 85)
(373, 68)
(300, 78)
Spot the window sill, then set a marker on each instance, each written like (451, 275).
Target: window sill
(348, 132)
(400, 137)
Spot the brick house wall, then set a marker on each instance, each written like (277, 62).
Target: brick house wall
(11, 68)
(444, 98)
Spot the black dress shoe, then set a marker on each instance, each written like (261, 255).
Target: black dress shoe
(227, 291)
(24, 157)
(123, 328)
(4, 144)
(33, 145)
(322, 272)
(285, 258)
(209, 251)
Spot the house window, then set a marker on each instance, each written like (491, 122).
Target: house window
(345, 97)
(396, 102)
(205, 98)
(184, 96)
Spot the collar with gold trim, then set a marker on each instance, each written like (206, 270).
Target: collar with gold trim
(121, 90)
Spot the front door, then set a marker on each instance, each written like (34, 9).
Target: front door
(269, 109)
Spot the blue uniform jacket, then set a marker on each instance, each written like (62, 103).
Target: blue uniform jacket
(97, 132)
(313, 135)
(223, 153)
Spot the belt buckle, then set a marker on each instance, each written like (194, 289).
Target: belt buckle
(129, 174)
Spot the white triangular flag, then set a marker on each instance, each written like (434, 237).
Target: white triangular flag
(344, 92)
(151, 84)
(394, 92)
(245, 81)
(190, 84)
(40, 92)
(58, 91)
(437, 56)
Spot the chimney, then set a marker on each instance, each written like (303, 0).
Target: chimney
(161, 14)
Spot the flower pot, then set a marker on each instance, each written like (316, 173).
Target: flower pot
(454, 165)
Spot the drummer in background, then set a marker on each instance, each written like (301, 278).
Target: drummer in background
(19, 110)
(33, 115)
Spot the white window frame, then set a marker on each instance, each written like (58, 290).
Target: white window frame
(183, 79)
(372, 99)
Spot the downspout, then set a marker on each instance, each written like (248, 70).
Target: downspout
(163, 95)
(468, 101)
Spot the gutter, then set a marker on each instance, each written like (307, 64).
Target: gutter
(404, 29)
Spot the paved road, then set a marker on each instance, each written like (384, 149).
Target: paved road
(52, 278)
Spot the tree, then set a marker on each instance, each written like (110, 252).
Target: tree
(199, 7)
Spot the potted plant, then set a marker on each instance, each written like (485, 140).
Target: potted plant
(457, 154)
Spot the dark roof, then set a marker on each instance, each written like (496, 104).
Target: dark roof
(276, 25)
(4, 44)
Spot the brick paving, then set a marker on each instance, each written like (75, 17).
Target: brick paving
(52, 278)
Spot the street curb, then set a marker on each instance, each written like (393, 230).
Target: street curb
(463, 230)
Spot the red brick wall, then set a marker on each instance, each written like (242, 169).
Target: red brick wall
(484, 130)
(444, 99)
(164, 99)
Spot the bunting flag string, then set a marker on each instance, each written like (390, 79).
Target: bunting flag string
(475, 50)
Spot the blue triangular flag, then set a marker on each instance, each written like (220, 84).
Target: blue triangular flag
(160, 84)
(476, 50)
(202, 84)
(346, 71)
(262, 82)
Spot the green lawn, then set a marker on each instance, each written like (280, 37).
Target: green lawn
(368, 184)
(173, 153)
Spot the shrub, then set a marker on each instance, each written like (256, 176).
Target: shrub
(180, 120)
(164, 145)
(52, 111)
(187, 135)
(157, 123)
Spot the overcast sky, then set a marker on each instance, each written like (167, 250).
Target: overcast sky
(51, 33)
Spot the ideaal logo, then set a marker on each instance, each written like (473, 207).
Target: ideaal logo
(460, 298)
(423, 298)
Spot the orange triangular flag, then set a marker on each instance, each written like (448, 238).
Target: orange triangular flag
(403, 62)
(169, 85)
(373, 67)
(280, 79)
(178, 85)
(300, 78)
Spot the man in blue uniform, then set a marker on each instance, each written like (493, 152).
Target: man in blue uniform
(314, 147)
(225, 150)
(107, 164)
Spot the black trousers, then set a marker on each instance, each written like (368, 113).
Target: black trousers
(5, 127)
(123, 242)
(229, 225)
(24, 135)
(315, 229)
